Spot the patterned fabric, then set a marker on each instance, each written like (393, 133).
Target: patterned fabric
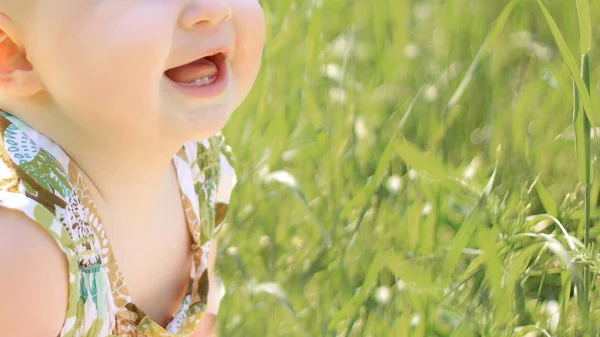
(39, 179)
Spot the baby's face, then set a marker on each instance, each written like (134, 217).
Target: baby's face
(105, 62)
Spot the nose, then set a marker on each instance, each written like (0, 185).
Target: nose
(205, 12)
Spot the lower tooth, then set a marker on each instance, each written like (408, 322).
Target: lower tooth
(202, 81)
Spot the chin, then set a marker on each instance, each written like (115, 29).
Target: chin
(204, 123)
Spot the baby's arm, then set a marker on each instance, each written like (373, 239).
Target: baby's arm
(33, 279)
(207, 324)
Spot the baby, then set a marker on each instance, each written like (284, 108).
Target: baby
(113, 173)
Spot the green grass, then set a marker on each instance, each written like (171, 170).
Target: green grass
(417, 168)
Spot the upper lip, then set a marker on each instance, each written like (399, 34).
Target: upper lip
(222, 50)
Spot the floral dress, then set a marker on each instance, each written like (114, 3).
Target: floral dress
(40, 180)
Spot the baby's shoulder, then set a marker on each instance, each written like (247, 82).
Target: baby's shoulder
(31, 263)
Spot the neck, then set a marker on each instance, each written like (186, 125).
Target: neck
(125, 173)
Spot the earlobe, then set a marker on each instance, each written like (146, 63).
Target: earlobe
(21, 83)
(17, 76)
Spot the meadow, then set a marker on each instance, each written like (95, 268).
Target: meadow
(417, 168)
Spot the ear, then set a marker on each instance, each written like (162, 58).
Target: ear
(17, 76)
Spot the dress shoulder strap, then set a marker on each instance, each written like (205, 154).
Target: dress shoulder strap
(37, 178)
(213, 179)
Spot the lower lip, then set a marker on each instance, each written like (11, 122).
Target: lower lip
(207, 91)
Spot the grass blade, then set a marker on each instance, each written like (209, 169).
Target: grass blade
(411, 273)
(585, 71)
(565, 298)
(366, 192)
(466, 231)
(590, 107)
(585, 25)
(494, 271)
(585, 298)
(581, 126)
(387, 156)
(485, 48)
(422, 163)
(546, 198)
(572, 242)
(527, 330)
(286, 179)
(354, 304)
(554, 246)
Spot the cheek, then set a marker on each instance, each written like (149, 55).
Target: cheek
(249, 25)
(125, 58)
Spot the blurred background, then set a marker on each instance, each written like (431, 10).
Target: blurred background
(367, 203)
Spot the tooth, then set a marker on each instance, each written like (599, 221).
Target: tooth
(202, 81)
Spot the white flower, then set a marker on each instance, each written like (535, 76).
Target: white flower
(265, 241)
(269, 288)
(427, 209)
(262, 172)
(525, 40)
(423, 10)
(400, 285)
(232, 251)
(289, 155)
(542, 51)
(415, 320)
(359, 127)
(431, 93)
(383, 295)
(297, 242)
(341, 46)
(237, 319)
(246, 210)
(393, 184)
(411, 51)
(334, 72)
(552, 309)
(412, 174)
(338, 95)
(283, 177)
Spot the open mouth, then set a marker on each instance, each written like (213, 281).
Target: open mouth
(204, 77)
(201, 72)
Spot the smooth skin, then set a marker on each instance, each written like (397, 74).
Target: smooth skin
(89, 74)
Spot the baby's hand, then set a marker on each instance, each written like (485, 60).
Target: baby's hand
(206, 326)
